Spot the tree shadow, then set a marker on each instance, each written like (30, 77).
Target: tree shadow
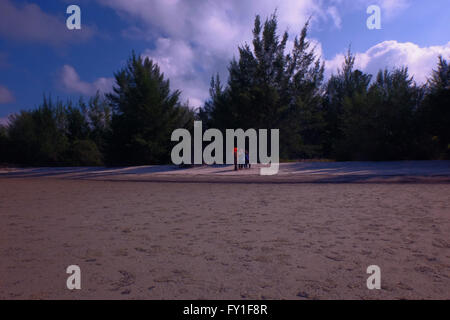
(87, 172)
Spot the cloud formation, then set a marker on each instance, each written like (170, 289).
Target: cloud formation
(71, 82)
(195, 39)
(6, 96)
(419, 60)
(214, 29)
(179, 63)
(333, 12)
(29, 23)
(392, 7)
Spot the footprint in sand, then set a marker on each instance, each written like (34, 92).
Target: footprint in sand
(126, 280)
(440, 243)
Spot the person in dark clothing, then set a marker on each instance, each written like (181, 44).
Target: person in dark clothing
(247, 160)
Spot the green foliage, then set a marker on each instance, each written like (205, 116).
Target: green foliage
(269, 88)
(4, 145)
(434, 114)
(132, 126)
(85, 153)
(378, 123)
(56, 134)
(346, 85)
(98, 113)
(351, 117)
(146, 112)
(37, 136)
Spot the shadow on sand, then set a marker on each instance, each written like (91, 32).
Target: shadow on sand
(87, 172)
(326, 172)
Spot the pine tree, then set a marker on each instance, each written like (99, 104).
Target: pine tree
(378, 124)
(271, 89)
(146, 112)
(434, 113)
(339, 90)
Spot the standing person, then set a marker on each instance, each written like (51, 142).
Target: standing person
(241, 155)
(247, 159)
(235, 159)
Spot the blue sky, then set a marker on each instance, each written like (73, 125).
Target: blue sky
(193, 39)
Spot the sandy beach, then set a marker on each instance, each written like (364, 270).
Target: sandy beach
(147, 240)
(294, 172)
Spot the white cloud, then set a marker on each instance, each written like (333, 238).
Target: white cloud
(214, 25)
(6, 96)
(389, 8)
(178, 62)
(333, 12)
(214, 29)
(419, 60)
(392, 7)
(71, 82)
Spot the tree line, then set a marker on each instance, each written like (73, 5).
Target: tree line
(351, 116)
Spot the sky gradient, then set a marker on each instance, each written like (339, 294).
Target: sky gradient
(192, 40)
